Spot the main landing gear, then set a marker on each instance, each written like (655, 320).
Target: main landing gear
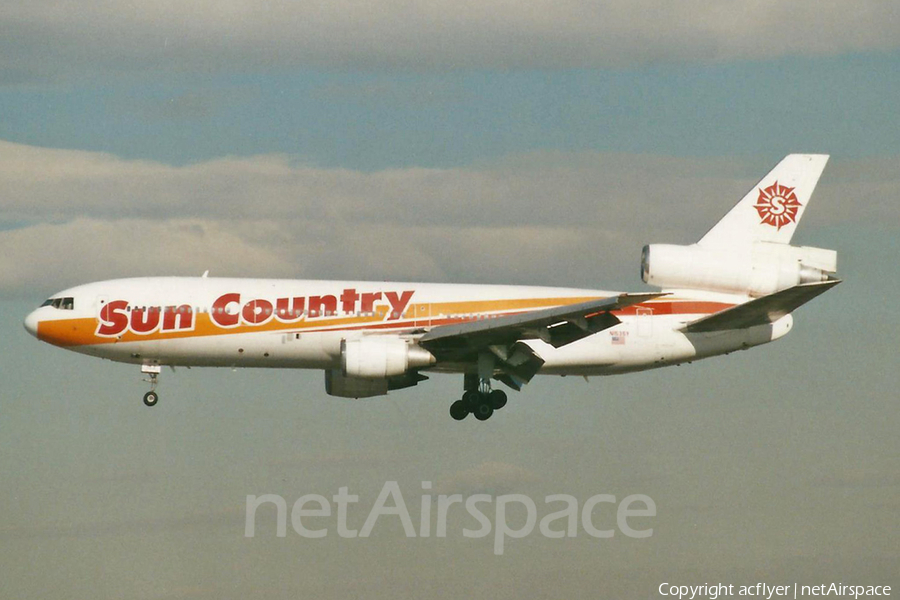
(480, 403)
(152, 371)
(479, 399)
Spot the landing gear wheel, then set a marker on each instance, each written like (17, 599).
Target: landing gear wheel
(483, 411)
(472, 399)
(151, 398)
(497, 399)
(459, 410)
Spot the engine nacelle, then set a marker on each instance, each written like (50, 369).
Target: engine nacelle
(757, 270)
(337, 384)
(379, 357)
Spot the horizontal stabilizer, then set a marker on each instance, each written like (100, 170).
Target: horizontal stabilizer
(761, 311)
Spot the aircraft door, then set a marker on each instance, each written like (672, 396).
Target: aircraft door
(423, 315)
(644, 322)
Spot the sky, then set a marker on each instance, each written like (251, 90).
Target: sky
(488, 142)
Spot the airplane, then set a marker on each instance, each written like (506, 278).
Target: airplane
(733, 289)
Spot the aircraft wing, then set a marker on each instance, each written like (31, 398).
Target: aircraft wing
(760, 311)
(502, 336)
(557, 326)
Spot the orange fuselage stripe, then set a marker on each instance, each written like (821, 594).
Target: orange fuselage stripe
(82, 331)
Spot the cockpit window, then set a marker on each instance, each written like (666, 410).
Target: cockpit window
(67, 303)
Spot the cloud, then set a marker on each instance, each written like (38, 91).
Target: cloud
(858, 477)
(577, 219)
(547, 190)
(494, 478)
(342, 459)
(47, 38)
(51, 256)
(217, 518)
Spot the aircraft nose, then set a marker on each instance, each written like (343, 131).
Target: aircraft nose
(31, 323)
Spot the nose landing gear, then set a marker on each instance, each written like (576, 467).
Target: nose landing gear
(152, 371)
(151, 398)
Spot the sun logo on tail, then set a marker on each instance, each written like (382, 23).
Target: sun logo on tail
(777, 205)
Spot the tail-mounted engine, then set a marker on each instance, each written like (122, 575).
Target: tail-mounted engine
(758, 269)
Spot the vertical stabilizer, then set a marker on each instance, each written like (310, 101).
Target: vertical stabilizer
(770, 211)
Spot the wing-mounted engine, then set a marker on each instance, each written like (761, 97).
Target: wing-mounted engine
(374, 365)
(338, 384)
(755, 269)
(379, 357)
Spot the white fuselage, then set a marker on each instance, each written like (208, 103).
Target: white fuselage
(301, 324)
